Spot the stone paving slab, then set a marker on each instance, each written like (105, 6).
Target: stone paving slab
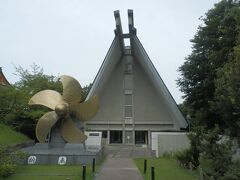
(119, 169)
(128, 151)
(119, 164)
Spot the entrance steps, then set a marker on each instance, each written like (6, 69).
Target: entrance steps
(128, 151)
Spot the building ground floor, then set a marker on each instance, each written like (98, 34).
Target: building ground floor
(126, 137)
(130, 134)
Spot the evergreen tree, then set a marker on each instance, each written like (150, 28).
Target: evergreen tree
(227, 95)
(213, 47)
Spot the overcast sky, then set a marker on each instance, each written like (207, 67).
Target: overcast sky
(72, 37)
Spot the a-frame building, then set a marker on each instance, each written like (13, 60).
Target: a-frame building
(3, 79)
(134, 101)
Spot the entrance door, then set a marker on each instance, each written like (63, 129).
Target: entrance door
(129, 137)
(141, 137)
(115, 137)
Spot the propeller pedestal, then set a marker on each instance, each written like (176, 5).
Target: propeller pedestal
(67, 138)
(55, 139)
(58, 151)
(70, 154)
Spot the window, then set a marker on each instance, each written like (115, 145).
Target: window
(129, 60)
(128, 104)
(104, 134)
(93, 134)
(128, 81)
(128, 65)
(128, 51)
(126, 41)
(128, 111)
(128, 68)
(128, 86)
(127, 91)
(128, 99)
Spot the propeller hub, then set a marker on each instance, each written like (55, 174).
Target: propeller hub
(62, 109)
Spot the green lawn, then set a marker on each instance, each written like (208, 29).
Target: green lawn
(165, 169)
(51, 172)
(8, 136)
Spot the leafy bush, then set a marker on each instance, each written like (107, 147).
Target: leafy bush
(8, 161)
(207, 166)
(233, 172)
(7, 168)
(216, 153)
(184, 157)
(192, 154)
(211, 151)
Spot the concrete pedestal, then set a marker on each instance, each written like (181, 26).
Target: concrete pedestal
(44, 153)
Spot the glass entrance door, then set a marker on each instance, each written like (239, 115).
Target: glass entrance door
(141, 137)
(115, 137)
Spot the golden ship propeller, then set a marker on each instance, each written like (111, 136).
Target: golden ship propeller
(63, 108)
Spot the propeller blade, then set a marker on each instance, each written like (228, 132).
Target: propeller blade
(71, 133)
(72, 90)
(48, 98)
(45, 123)
(86, 110)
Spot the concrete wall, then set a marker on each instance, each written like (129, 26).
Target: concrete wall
(111, 98)
(148, 105)
(150, 111)
(113, 56)
(161, 88)
(94, 141)
(163, 142)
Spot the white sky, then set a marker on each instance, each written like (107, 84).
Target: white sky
(72, 37)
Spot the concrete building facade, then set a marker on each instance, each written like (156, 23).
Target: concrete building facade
(134, 101)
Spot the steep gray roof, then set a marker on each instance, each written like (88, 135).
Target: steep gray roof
(115, 53)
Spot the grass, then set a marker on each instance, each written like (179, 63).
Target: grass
(8, 136)
(54, 172)
(165, 169)
(37, 172)
(50, 172)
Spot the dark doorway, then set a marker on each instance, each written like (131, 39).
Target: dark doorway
(141, 137)
(104, 134)
(115, 137)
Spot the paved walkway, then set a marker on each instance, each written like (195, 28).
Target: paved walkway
(119, 169)
(119, 164)
(127, 151)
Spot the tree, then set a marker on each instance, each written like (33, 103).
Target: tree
(210, 80)
(213, 47)
(227, 95)
(9, 161)
(15, 110)
(85, 91)
(216, 153)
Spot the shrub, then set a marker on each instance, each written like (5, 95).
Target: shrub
(209, 150)
(195, 138)
(192, 154)
(184, 157)
(233, 172)
(216, 154)
(8, 161)
(6, 169)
